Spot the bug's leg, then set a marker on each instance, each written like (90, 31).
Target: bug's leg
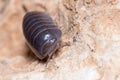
(51, 54)
(49, 57)
(64, 44)
(58, 46)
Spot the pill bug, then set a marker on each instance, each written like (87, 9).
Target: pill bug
(41, 34)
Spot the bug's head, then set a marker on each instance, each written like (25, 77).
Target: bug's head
(50, 45)
(51, 39)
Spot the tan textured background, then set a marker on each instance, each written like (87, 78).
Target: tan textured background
(91, 26)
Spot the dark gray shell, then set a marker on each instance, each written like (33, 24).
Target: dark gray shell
(41, 33)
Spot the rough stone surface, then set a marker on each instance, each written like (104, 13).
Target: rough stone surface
(91, 26)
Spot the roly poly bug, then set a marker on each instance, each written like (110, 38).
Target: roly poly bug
(41, 33)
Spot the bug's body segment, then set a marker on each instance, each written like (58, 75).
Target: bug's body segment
(41, 33)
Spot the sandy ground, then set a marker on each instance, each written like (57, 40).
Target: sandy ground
(91, 26)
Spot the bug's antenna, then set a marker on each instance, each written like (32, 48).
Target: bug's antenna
(24, 8)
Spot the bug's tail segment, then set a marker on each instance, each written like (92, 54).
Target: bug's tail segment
(41, 17)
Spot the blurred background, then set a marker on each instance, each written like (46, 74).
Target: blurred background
(91, 26)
